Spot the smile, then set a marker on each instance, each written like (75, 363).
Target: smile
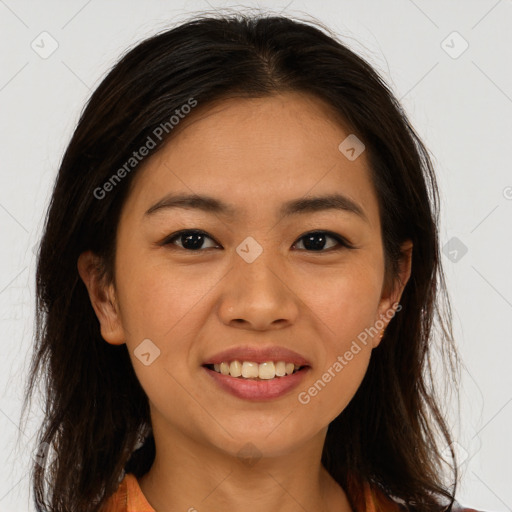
(255, 387)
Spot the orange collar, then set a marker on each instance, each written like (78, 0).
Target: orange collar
(129, 498)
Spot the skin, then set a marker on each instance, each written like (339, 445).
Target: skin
(253, 154)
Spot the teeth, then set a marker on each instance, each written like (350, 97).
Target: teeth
(281, 369)
(266, 370)
(251, 370)
(235, 369)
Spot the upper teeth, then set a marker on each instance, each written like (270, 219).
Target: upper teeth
(249, 369)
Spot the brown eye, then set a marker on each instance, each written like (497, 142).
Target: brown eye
(316, 241)
(191, 240)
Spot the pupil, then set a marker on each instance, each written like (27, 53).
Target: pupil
(193, 241)
(309, 242)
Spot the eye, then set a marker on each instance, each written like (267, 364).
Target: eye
(316, 240)
(193, 239)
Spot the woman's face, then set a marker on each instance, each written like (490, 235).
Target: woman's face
(254, 280)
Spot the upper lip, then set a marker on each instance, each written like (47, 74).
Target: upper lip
(258, 355)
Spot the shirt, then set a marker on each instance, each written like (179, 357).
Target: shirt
(129, 498)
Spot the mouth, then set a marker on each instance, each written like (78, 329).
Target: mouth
(260, 388)
(254, 371)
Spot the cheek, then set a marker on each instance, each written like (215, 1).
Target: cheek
(157, 299)
(346, 308)
(336, 381)
(346, 302)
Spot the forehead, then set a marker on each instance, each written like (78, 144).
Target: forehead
(255, 154)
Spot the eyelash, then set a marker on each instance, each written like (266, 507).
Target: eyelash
(341, 241)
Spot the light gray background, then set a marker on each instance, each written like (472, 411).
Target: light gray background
(462, 108)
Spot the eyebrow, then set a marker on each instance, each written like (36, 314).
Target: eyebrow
(296, 206)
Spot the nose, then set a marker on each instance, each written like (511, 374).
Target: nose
(258, 296)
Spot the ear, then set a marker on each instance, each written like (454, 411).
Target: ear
(392, 294)
(103, 299)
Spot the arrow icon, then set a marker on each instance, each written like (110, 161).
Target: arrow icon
(249, 249)
(146, 352)
(454, 45)
(454, 249)
(351, 147)
(44, 45)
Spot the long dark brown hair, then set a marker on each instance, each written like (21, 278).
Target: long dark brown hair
(393, 431)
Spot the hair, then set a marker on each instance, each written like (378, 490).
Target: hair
(392, 432)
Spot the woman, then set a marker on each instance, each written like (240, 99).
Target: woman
(237, 284)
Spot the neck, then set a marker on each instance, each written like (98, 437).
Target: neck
(192, 477)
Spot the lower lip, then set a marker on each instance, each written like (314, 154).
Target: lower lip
(261, 390)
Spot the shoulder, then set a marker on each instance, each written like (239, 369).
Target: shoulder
(117, 502)
(128, 497)
(387, 503)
